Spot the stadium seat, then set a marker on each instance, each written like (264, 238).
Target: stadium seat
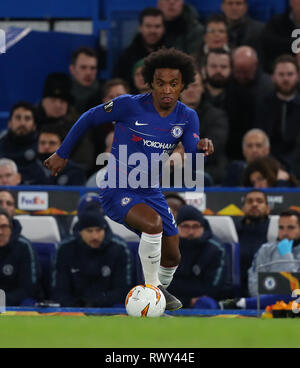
(223, 228)
(44, 235)
(41, 229)
(206, 8)
(273, 228)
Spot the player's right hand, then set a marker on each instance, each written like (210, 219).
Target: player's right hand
(55, 164)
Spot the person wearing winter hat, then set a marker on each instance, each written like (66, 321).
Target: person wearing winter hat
(57, 100)
(202, 266)
(93, 268)
(56, 107)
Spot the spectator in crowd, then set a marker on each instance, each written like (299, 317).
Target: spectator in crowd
(56, 108)
(242, 29)
(9, 174)
(215, 37)
(138, 79)
(201, 269)
(285, 249)
(279, 111)
(19, 271)
(183, 29)
(255, 144)
(20, 141)
(149, 38)
(249, 86)
(93, 268)
(7, 201)
(86, 88)
(56, 104)
(277, 34)
(267, 172)
(252, 231)
(282, 255)
(97, 177)
(298, 60)
(217, 75)
(213, 124)
(175, 202)
(112, 88)
(50, 138)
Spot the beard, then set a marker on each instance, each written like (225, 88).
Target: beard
(217, 80)
(286, 90)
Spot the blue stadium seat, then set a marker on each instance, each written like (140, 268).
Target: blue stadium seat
(206, 8)
(44, 235)
(263, 10)
(223, 227)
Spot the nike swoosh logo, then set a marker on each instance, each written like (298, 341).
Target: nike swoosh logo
(154, 256)
(74, 270)
(140, 124)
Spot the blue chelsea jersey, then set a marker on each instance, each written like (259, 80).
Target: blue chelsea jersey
(139, 129)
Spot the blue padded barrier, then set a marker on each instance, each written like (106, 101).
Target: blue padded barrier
(118, 311)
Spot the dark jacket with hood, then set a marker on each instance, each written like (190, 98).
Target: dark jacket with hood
(185, 33)
(19, 269)
(21, 149)
(214, 125)
(130, 56)
(252, 234)
(37, 174)
(87, 277)
(202, 267)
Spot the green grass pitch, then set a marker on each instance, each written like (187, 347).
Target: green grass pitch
(128, 332)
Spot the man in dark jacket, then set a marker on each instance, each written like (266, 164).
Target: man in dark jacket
(277, 36)
(49, 140)
(19, 271)
(19, 143)
(279, 111)
(183, 29)
(86, 88)
(252, 231)
(249, 86)
(243, 30)
(93, 268)
(202, 264)
(214, 124)
(149, 38)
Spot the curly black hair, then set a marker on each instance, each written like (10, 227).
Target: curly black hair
(169, 59)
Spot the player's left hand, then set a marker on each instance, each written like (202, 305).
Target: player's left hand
(206, 145)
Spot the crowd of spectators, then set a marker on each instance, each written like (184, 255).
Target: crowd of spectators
(246, 94)
(248, 77)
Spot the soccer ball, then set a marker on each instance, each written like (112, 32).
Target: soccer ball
(145, 301)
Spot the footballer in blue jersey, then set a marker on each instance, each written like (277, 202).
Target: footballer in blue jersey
(153, 123)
